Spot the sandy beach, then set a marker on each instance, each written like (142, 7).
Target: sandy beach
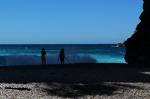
(81, 81)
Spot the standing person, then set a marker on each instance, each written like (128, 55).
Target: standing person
(43, 56)
(62, 56)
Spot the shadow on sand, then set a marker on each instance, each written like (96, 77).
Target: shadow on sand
(74, 90)
(74, 80)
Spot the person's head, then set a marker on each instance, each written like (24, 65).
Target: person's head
(62, 50)
(43, 49)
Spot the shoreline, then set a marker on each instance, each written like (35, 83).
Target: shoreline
(80, 65)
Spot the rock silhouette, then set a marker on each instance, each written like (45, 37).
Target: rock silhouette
(138, 45)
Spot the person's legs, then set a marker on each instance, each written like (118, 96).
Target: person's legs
(43, 60)
(62, 61)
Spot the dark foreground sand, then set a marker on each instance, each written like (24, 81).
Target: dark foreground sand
(81, 81)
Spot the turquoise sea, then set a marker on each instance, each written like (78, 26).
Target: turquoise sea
(75, 53)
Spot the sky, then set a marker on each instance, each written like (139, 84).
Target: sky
(68, 21)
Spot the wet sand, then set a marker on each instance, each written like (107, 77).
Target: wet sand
(74, 73)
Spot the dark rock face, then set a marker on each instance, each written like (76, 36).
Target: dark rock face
(138, 46)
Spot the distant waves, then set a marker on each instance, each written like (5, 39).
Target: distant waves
(34, 60)
(78, 53)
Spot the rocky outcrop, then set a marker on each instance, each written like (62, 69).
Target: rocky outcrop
(138, 46)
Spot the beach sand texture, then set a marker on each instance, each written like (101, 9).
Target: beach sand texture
(81, 81)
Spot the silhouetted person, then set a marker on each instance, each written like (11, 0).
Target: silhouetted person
(62, 56)
(43, 56)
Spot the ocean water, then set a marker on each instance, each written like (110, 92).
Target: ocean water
(79, 53)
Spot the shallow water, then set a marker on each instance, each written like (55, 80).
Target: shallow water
(79, 53)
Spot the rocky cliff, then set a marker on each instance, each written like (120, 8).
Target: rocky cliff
(138, 46)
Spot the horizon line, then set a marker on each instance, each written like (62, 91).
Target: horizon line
(56, 43)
